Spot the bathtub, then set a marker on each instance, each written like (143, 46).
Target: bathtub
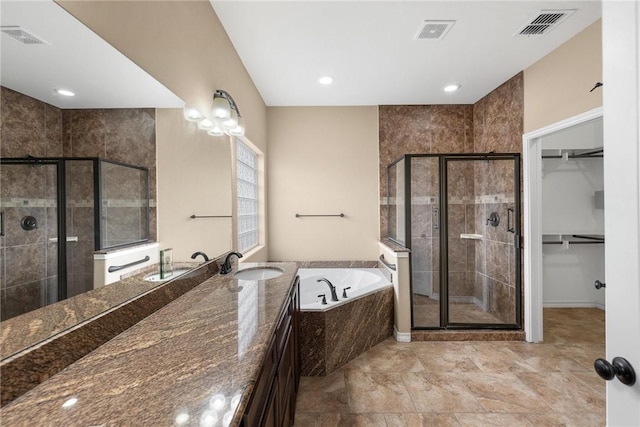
(362, 281)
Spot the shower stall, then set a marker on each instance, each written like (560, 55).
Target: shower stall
(54, 214)
(459, 214)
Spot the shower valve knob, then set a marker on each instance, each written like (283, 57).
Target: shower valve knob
(29, 223)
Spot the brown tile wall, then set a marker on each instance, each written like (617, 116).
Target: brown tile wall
(31, 127)
(494, 123)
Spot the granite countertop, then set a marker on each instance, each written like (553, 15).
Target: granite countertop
(193, 362)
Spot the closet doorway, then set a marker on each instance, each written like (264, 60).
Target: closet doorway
(564, 229)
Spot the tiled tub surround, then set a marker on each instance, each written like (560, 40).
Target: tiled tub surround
(39, 344)
(331, 338)
(31, 127)
(171, 363)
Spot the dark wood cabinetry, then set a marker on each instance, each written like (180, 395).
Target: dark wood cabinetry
(273, 399)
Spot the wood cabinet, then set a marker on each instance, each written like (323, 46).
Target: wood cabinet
(273, 399)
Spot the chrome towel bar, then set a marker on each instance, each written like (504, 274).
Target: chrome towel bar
(115, 268)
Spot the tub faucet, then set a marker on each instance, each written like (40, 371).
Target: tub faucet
(334, 296)
(196, 254)
(225, 268)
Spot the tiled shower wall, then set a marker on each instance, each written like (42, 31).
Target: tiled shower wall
(31, 127)
(494, 123)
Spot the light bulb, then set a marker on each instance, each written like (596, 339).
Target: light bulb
(239, 129)
(205, 124)
(192, 115)
(221, 108)
(216, 130)
(232, 121)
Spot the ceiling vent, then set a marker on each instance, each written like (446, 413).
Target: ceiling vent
(21, 35)
(544, 22)
(434, 30)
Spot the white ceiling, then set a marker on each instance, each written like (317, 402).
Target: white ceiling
(369, 47)
(73, 58)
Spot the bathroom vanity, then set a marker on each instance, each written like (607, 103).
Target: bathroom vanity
(224, 353)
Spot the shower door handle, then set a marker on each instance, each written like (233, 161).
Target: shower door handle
(510, 229)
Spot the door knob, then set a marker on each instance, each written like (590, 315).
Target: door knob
(599, 284)
(620, 368)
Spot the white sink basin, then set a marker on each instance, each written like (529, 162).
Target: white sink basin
(156, 277)
(261, 273)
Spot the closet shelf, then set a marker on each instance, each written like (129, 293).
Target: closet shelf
(572, 239)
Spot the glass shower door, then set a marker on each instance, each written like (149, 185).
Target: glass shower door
(29, 270)
(482, 247)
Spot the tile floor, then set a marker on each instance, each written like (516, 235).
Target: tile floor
(426, 312)
(468, 383)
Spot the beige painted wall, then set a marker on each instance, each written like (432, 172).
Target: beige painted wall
(323, 160)
(189, 189)
(557, 86)
(184, 46)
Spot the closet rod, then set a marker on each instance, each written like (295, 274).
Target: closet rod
(592, 154)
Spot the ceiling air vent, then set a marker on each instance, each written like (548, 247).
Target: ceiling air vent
(434, 30)
(544, 22)
(21, 35)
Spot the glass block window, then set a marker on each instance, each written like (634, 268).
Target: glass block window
(247, 198)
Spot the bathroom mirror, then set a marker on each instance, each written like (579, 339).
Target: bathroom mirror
(113, 115)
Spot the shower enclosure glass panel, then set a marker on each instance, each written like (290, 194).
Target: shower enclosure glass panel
(396, 204)
(425, 240)
(481, 223)
(28, 237)
(125, 204)
(80, 225)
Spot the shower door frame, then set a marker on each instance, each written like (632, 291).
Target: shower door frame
(61, 213)
(443, 284)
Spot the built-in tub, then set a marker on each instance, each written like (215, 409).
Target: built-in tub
(361, 281)
(335, 333)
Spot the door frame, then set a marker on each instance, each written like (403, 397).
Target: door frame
(532, 177)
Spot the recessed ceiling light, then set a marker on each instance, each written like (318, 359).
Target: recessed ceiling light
(451, 88)
(64, 92)
(326, 80)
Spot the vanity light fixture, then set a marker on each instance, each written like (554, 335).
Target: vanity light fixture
(451, 88)
(225, 117)
(64, 92)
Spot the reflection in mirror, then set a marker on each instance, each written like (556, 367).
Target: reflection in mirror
(59, 138)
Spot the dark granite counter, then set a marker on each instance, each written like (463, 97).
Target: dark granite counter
(193, 362)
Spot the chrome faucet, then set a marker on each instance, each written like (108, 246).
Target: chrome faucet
(225, 268)
(334, 296)
(196, 254)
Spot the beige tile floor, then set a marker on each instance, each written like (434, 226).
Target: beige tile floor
(426, 312)
(468, 383)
